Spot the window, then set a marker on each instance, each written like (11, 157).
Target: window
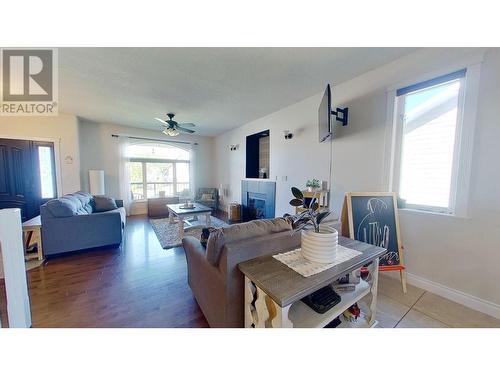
(429, 124)
(47, 171)
(157, 170)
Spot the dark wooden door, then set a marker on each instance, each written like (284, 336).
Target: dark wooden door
(16, 183)
(20, 176)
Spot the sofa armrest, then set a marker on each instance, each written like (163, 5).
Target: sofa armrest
(193, 247)
(198, 266)
(207, 283)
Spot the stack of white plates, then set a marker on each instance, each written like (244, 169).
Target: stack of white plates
(320, 247)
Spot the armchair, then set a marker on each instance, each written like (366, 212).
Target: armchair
(208, 197)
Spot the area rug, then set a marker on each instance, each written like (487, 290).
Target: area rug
(168, 233)
(31, 264)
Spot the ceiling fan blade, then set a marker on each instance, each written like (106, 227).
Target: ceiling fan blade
(188, 124)
(162, 121)
(184, 130)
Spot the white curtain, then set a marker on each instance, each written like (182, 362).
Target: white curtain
(192, 169)
(124, 179)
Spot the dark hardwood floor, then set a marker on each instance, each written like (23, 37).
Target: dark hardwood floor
(137, 285)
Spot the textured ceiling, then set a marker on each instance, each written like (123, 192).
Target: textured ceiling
(216, 88)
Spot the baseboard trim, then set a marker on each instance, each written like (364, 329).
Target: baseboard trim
(475, 303)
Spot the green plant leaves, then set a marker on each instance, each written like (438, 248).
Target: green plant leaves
(308, 218)
(321, 216)
(297, 202)
(314, 183)
(297, 193)
(299, 222)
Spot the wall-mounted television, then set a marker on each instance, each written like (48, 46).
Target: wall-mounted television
(324, 115)
(326, 124)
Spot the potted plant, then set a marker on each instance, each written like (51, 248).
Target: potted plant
(318, 242)
(313, 184)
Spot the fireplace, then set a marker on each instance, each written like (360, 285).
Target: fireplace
(257, 199)
(256, 206)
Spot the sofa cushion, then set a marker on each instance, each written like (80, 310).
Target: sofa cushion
(207, 197)
(86, 201)
(103, 203)
(82, 202)
(205, 235)
(238, 232)
(62, 207)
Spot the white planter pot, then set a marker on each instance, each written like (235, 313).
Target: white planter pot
(320, 247)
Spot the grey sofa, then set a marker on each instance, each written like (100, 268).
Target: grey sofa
(70, 223)
(212, 203)
(213, 273)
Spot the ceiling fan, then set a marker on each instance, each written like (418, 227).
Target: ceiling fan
(173, 128)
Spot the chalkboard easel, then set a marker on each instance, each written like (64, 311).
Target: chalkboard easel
(373, 218)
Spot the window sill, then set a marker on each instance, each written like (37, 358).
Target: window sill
(424, 212)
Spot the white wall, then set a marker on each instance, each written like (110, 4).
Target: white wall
(461, 254)
(99, 150)
(63, 131)
(289, 159)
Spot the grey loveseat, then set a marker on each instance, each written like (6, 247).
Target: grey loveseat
(70, 223)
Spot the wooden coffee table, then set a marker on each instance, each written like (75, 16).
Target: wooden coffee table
(176, 211)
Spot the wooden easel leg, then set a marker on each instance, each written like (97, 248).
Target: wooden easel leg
(373, 281)
(402, 274)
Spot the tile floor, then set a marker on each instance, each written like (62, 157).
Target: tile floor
(420, 309)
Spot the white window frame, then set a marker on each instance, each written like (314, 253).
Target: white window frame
(464, 139)
(174, 182)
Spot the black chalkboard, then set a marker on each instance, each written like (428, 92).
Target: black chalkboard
(373, 218)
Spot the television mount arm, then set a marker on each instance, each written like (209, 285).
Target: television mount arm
(341, 111)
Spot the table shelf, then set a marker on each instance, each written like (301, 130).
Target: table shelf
(361, 322)
(302, 316)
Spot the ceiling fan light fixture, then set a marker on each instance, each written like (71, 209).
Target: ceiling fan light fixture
(172, 128)
(171, 132)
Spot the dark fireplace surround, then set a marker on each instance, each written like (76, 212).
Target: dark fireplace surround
(258, 199)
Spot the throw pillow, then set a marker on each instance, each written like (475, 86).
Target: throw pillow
(103, 204)
(206, 197)
(205, 233)
(62, 207)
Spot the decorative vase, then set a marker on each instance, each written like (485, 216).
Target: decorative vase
(319, 247)
(309, 189)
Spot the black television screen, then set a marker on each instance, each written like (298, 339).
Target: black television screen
(324, 116)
